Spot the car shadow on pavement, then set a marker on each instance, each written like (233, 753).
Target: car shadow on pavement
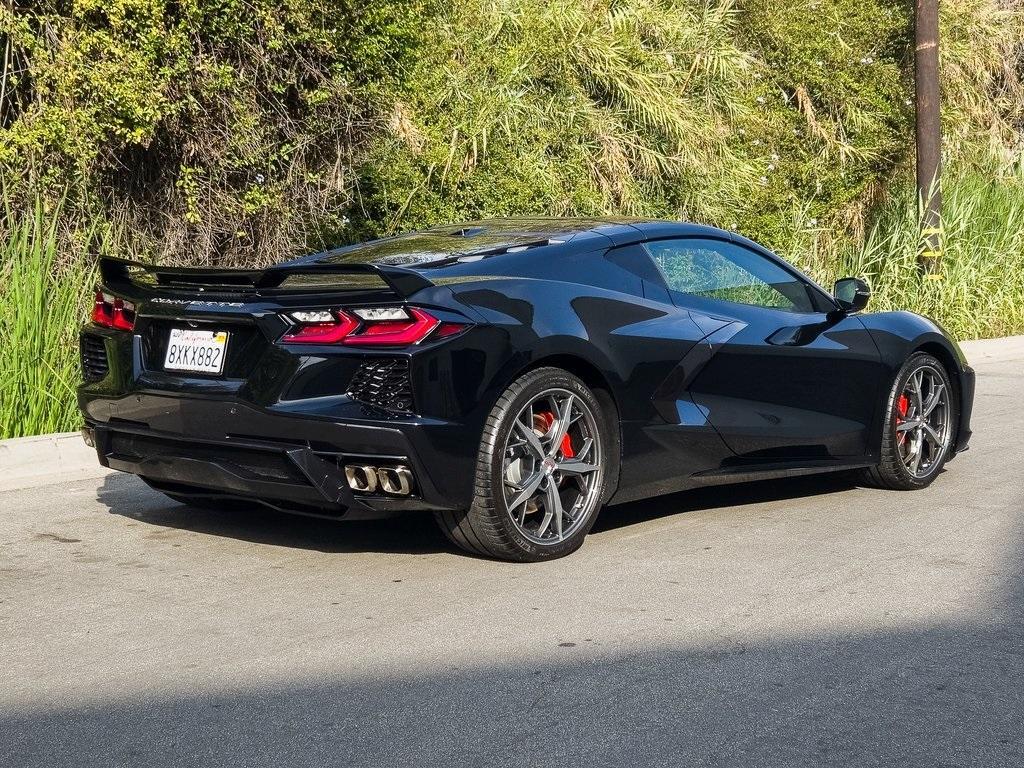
(724, 496)
(416, 533)
(413, 533)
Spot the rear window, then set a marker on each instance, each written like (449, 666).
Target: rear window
(425, 248)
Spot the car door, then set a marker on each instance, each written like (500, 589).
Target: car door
(790, 378)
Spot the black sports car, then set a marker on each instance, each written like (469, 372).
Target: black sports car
(511, 376)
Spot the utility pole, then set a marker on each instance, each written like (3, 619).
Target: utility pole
(929, 135)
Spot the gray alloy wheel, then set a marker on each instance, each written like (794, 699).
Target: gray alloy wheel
(922, 423)
(547, 451)
(552, 466)
(919, 427)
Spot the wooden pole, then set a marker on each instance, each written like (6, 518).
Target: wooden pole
(929, 134)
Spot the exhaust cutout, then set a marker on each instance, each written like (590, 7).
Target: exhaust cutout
(394, 481)
(361, 478)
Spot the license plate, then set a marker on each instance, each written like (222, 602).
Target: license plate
(199, 351)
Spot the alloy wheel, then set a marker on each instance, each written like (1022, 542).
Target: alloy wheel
(922, 422)
(552, 466)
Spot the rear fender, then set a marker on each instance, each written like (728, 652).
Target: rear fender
(620, 336)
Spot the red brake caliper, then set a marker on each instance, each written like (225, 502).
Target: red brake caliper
(902, 406)
(543, 421)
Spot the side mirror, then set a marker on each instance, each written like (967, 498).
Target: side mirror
(852, 294)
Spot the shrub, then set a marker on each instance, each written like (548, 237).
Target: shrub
(213, 129)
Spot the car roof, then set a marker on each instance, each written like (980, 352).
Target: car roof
(525, 245)
(452, 243)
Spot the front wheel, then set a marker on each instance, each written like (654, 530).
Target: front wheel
(919, 426)
(540, 474)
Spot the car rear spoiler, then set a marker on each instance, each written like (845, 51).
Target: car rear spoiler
(284, 278)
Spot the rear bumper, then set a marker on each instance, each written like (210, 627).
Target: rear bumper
(289, 461)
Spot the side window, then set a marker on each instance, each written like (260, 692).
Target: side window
(715, 269)
(634, 259)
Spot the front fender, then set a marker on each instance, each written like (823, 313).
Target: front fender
(899, 334)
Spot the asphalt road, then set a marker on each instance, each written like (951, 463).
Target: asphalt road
(788, 623)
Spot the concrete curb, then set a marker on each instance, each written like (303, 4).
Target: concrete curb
(29, 462)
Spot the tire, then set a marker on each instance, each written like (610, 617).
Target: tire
(892, 471)
(578, 473)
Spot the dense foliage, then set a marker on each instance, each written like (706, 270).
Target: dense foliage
(249, 129)
(242, 131)
(207, 128)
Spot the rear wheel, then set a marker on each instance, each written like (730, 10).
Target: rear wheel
(919, 426)
(540, 474)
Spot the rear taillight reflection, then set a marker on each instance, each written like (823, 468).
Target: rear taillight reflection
(369, 327)
(113, 312)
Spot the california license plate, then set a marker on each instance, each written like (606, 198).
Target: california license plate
(199, 351)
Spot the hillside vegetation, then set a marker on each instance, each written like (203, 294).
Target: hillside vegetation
(243, 131)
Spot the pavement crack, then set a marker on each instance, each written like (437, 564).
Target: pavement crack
(58, 538)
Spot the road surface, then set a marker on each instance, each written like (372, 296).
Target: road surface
(785, 623)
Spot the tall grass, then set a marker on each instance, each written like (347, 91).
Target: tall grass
(45, 283)
(981, 290)
(46, 275)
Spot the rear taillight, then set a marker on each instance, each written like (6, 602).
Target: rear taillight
(368, 327)
(412, 329)
(113, 312)
(322, 331)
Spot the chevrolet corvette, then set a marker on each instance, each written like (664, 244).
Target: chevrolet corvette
(513, 377)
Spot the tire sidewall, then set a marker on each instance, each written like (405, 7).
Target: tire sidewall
(523, 391)
(914, 363)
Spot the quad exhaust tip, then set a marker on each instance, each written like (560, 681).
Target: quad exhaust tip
(365, 478)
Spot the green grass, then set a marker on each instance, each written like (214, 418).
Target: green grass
(981, 291)
(45, 288)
